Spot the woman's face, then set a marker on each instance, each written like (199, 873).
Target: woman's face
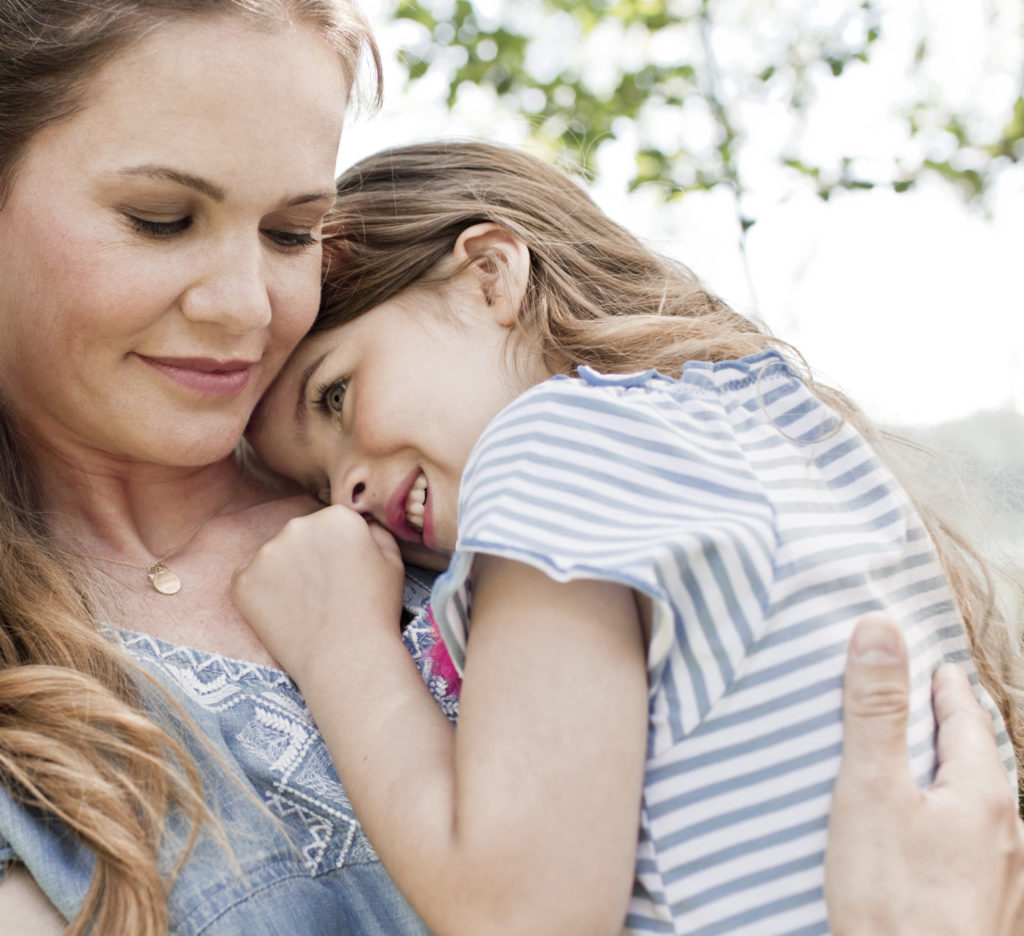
(159, 250)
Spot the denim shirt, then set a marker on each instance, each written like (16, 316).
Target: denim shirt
(299, 862)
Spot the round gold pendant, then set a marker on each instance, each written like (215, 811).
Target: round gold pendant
(163, 579)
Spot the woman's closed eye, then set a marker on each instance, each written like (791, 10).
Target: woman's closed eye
(292, 240)
(160, 228)
(288, 240)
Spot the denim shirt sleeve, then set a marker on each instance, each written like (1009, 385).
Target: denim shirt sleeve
(61, 866)
(6, 855)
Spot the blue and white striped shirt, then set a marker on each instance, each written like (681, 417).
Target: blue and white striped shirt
(761, 526)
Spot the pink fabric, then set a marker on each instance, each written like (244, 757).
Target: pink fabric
(440, 662)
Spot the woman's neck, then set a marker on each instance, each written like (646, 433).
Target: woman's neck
(119, 520)
(131, 509)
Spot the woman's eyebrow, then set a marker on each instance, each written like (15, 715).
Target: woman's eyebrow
(325, 195)
(181, 178)
(215, 191)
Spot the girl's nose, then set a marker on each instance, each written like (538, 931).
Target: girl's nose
(348, 488)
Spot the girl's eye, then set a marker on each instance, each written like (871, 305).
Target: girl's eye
(331, 397)
(160, 228)
(324, 495)
(292, 239)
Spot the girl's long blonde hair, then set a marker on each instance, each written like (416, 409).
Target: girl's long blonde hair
(596, 296)
(76, 740)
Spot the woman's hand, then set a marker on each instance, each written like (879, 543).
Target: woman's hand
(323, 581)
(906, 862)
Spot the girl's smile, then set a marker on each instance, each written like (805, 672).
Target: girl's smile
(416, 504)
(406, 513)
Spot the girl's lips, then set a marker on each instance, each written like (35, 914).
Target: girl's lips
(396, 517)
(204, 376)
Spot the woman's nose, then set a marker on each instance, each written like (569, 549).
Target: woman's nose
(231, 289)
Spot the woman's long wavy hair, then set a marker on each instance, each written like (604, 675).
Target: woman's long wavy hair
(597, 296)
(76, 740)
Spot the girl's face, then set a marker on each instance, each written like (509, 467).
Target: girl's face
(159, 249)
(381, 414)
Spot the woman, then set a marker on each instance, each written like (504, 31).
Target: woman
(164, 168)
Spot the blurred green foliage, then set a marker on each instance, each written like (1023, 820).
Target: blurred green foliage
(692, 83)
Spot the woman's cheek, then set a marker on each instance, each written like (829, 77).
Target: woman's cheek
(295, 309)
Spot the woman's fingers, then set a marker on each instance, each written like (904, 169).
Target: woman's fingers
(965, 733)
(876, 703)
(903, 861)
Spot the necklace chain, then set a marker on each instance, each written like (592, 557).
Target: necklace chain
(163, 579)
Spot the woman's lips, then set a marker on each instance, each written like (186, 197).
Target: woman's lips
(205, 376)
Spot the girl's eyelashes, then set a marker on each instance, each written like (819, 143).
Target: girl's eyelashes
(330, 397)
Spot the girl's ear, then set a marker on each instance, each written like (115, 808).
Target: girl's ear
(500, 263)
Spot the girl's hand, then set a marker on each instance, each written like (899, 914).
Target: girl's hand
(325, 580)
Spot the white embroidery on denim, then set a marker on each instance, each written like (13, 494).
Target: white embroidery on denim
(262, 716)
(438, 687)
(292, 765)
(214, 695)
(267, 742)
(418, 636)
(345, 836)
(312, 774)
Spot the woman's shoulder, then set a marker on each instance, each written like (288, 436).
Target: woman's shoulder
(259, 514)
(264, 507)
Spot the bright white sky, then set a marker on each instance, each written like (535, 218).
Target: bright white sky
(912, 303)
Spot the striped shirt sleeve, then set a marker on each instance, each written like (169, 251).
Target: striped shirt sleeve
(592, 480)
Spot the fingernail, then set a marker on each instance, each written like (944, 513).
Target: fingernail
(876, 641)
(949, 674)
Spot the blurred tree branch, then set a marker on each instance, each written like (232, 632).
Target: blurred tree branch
(701, 86)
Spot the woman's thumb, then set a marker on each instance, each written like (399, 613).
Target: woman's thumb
(876, 701)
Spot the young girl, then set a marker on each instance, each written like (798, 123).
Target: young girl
(658, 531)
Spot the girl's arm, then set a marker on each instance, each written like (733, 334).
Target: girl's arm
(525, 819)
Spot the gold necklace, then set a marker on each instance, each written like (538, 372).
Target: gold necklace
(161, 578)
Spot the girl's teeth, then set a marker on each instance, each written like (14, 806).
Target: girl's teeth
(415, 502)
